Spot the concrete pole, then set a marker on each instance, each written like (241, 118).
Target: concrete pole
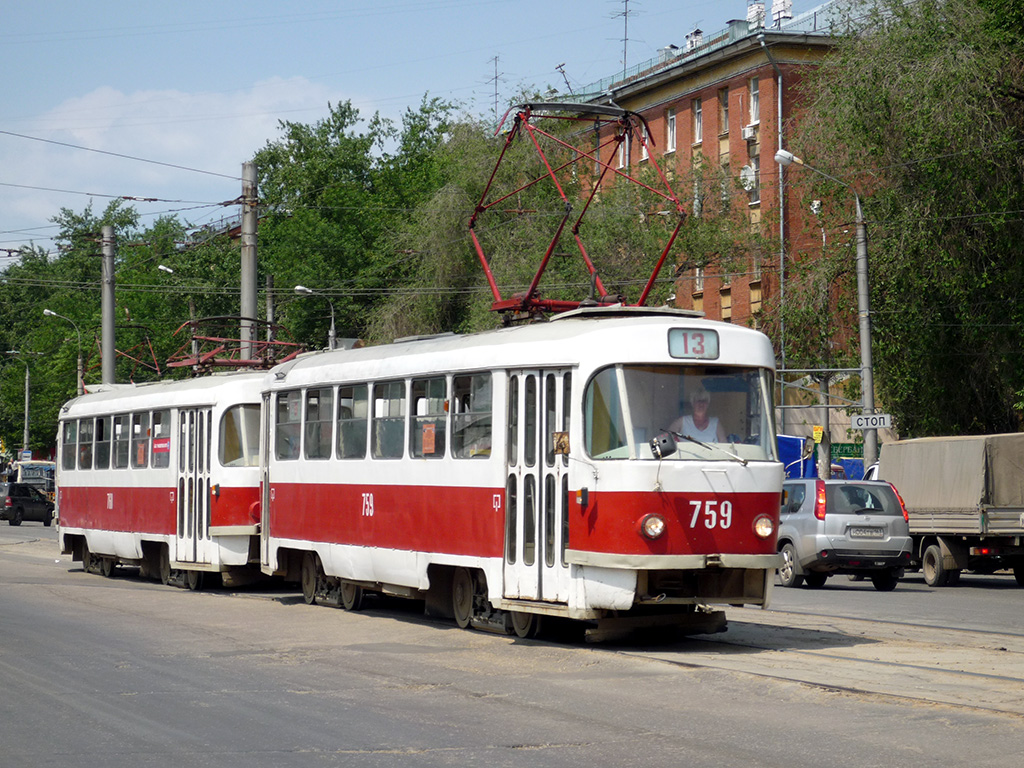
(108, 349)
(248, 272)
(867, 378)
(24, 436)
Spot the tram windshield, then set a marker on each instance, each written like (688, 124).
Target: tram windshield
(713, 413)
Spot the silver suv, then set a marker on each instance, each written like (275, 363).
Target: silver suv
(842, 526)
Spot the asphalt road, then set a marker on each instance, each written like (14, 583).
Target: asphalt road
(124, 672)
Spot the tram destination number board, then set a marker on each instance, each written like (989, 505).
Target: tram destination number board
(691, 343)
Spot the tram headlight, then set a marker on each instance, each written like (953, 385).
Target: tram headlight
(652, 526)
(764, 526)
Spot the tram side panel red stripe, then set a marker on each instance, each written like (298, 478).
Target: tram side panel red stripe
(235, 506)
(138, 510)
(459, 521)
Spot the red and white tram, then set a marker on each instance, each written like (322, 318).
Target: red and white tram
(529, 471)
(165, 476)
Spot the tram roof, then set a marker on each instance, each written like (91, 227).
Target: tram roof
(595, 335)
(203, 390)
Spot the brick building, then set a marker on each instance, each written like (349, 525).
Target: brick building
(724, 100)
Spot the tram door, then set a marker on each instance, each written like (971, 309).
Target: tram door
(537, 485)
(193, 485)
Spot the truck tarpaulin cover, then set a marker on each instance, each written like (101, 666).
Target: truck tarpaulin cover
(957, 473)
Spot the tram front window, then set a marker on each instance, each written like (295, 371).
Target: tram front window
(716, 413)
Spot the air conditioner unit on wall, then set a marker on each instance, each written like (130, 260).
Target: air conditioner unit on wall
(749, 132)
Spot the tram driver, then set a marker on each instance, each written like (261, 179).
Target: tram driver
(699, 424)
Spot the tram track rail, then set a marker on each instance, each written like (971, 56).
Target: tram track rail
(970, 669)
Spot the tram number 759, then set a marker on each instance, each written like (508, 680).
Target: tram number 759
(713, 513)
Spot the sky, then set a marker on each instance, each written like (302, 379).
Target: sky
(163, 102)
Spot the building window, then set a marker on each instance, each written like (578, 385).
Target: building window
(645, 140)
(698, 122)
(753, 182)
(624, 151)
(723, 110)
(755, 101)
(698, 279)
(670, 130)
(725, 297)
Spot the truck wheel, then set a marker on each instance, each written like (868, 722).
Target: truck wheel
(935, 573)
(815, 579)
(788, 576)
(1018, 574)
(886, 581)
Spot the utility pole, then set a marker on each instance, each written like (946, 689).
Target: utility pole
(108, 349)
(248, 272)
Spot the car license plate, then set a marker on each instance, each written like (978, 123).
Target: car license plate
(863, 532)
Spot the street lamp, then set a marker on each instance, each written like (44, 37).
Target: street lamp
(332, 338)
(81, 378)
(28, 379)
(785, 159)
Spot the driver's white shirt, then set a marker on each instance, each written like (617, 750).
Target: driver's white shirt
(707, 435)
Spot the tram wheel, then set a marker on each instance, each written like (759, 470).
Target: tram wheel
(86, 557)
(351, 596)
(107, 566)
(165, 566)
(309, 578)
(462, 597)
(526, 625)
(194, 580)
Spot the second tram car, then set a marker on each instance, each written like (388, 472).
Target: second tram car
(545, 470)
(163, 475)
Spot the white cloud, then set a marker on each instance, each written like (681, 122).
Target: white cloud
(213, 132)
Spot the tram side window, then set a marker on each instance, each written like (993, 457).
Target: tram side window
(605, 427)
(471, 416)
(388, 419)
(429, 403)
(288, 425)
(319, 421)
(85, 429)
(161, 439)
(352, 411)
(140, 440)
(69, 441)
(122, 438)
(239, 444)
(101, 442)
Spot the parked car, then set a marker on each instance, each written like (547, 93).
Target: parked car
(19, 501)
(842, 526)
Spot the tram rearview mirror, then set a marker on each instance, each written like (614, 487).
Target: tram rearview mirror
(663, 445)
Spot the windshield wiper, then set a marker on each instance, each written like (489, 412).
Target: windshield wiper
(708, 446)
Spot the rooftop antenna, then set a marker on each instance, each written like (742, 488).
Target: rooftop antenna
(625, 14)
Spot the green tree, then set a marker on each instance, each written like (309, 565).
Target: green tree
(922, 111)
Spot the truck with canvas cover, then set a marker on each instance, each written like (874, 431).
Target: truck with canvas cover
(965, 501)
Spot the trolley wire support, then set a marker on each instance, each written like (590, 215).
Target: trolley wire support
(625, 126)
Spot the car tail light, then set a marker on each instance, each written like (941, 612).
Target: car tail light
(7, 501)
(903, 507)
(819, 499)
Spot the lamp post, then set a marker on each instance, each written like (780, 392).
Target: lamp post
(81, 378)
(785, 159)
(332, 339)
(28, 380)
